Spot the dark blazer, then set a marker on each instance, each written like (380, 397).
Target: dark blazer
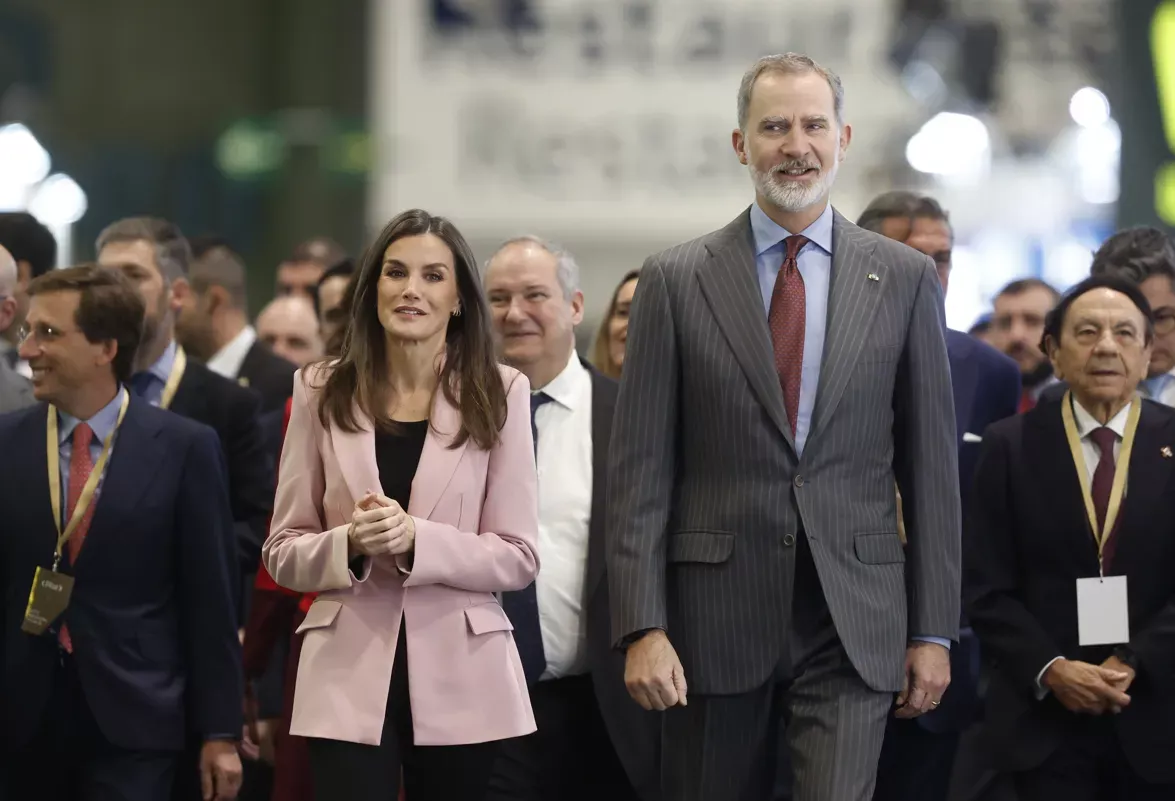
(269, 375)
(232, 411)
(635, 733)
(1027, 541)
(151, 616)
(986, 386)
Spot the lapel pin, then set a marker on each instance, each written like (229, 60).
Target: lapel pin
(1166, 451)
(873, 277)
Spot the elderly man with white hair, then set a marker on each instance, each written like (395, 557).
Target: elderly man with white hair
(15, 390)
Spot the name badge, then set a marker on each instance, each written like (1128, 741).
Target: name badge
(1102, 614)
(48, 600)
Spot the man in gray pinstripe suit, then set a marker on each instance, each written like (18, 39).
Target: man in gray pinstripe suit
(775, 386)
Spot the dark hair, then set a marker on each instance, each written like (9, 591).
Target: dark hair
(601, 350)
(980, 326)
(28, 240)
(1054, 322)
(220, 266)
(1135, 255)
(110, 308)
(172, 252)
(1022, 285)
(904, 205)
(334, 346)
(202, 245)
(470, 377)
(342, 269)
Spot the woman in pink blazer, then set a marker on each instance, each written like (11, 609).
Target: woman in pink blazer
(406, 498)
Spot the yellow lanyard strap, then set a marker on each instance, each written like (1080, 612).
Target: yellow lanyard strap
(173, 378)
(1121, 469)
(53, 456)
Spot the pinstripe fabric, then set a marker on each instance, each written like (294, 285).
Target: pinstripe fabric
(707, 494)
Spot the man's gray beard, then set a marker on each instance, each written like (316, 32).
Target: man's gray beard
(791, 200)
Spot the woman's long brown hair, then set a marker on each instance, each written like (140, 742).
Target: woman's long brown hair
(469, 378)
(602, 347)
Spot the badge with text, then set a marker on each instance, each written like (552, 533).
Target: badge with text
(48, 600)
(1102, 615)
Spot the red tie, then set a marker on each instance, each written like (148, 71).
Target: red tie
(1027, 401)
(80, 467)
(786, 320)
(1103, 482)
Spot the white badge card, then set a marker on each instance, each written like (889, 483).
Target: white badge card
(1102, 614)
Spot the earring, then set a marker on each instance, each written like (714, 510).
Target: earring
(456, 312)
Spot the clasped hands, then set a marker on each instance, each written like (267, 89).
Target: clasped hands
(1090, 689)
(380, 526)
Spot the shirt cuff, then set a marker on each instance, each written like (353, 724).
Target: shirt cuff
(944, 642)
(1041, 690)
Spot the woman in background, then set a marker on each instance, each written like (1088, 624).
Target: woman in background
(608, 349)
(407, 498)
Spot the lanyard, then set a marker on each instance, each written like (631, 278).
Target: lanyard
(1120, 471)
(173, 378)
(53, 455)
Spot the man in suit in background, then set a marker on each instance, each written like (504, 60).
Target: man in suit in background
(154, 254)
(213, 327)
(35, 249)
(775, 385)
(1146, 257)
(15, 390)
(289, 327)
(1073, 712)
(1017, 323)
(918, 754)
(299, 274)
(592, 741)
(98, 701)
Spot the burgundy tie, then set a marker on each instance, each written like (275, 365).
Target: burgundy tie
(1103, 482)
(786, 320)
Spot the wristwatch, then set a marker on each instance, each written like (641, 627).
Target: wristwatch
(1127, 657)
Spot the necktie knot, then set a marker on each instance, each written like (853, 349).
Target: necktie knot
(1105, 438)
(538, 399)
(794, 244)
(83, 435)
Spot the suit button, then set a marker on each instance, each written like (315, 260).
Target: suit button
(789, 540)
(798, 481)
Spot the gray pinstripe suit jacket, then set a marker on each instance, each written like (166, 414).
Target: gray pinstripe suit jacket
(707, 493)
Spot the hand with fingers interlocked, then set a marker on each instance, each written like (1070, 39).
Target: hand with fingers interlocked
(380, 526)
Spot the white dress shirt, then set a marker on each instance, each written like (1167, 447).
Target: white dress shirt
(564, 461)
(1086, 425)
(227, 361)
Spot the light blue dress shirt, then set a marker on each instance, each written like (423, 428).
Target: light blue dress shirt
(101, 424)
(815, 263)
(156, 376)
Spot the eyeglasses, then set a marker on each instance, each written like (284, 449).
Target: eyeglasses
(40, 333)
(1165, 322)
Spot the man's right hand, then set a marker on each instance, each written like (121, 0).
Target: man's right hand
(1085, 688)
(653, 673)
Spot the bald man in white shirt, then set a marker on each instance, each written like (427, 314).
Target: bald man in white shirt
(592, 741)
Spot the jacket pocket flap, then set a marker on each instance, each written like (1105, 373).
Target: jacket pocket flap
(320, 615)
(879, 549)
(712, 547)
(484, 618)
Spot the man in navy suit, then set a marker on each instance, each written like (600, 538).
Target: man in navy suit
(918, 754)
(128, 503)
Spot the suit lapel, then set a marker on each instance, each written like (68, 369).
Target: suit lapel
(1147, 481)
(1046, 453)
(603, 406)
(852, 302)
(731, 287)
(190, 400)
(438, 461)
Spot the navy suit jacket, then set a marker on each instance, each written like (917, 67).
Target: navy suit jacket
(986, 386)
(151, 617)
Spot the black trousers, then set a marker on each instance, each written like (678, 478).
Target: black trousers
(1089, 766)
(356, 772)
(69, 759)
(915, 763)
(569, 758)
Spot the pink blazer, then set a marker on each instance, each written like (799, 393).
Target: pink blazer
(476, 517)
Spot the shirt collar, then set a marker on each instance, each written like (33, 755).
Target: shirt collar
(1087, 423)
(769, 233)
(162, 368)
(228, 360)
(564, 388)
(102, 423)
